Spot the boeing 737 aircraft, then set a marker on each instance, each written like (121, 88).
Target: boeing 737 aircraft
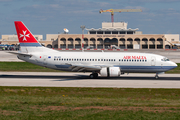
(109, 64)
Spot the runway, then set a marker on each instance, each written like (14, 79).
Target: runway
(71, 79)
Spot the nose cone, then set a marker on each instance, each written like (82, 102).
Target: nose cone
(174, 65)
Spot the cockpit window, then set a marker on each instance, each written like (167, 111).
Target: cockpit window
(165, 59)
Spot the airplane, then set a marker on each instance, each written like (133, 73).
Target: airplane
(106, 64)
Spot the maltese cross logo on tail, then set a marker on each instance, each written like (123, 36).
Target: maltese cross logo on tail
(24, 35)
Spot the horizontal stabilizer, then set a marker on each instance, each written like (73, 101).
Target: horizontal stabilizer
(25, 54)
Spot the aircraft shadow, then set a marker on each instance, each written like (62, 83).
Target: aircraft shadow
(85, 77)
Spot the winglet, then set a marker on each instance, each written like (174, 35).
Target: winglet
(24, 35)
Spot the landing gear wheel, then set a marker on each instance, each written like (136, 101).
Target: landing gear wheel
(93, 75)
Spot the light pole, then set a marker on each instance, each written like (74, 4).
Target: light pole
(82, 43)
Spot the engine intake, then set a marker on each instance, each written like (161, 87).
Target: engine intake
(110, 72)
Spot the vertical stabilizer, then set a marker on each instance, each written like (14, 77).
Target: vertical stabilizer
(26, 39)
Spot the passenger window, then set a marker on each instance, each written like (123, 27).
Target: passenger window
(119, 59)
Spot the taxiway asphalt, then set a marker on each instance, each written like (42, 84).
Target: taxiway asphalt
(71, 79)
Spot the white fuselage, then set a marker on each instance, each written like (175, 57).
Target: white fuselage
(126, 61)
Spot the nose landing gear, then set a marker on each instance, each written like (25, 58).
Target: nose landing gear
(156, 76)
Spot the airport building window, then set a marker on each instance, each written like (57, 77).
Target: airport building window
(92, 32)
(99, 32)
(114, 32)
(107, 32)
(129, 32)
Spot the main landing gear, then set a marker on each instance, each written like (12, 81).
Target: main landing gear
(93, 75)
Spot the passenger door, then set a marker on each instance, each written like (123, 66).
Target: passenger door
(153, 61)
(45, 60)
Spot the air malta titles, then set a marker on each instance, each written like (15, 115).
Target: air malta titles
(135, 57)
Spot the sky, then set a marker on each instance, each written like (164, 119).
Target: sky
(52, 16)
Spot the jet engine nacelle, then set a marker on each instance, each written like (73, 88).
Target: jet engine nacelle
(110, 72)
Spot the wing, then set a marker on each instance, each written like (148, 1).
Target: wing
(82, 67)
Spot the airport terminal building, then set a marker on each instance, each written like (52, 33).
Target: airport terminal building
(116, 34)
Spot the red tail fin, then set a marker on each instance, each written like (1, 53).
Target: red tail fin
(24, 35)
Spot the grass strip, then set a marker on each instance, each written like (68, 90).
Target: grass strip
(29, 67)
(88, 103)
(24, 67)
